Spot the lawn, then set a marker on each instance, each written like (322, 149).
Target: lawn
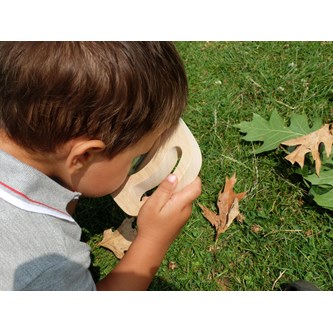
(284, 236)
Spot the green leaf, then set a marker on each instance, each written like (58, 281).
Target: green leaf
(273, 131)
(326, 178)
(323, 199)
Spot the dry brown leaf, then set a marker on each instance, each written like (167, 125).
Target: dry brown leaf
(256, 228)
(172, 265)
(120, 240)
(224, 284)
(227, 204)
(310, 144)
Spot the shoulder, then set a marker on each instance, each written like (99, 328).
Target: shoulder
(41, 252)
(59, 273)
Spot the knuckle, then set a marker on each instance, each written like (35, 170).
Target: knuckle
(187, 211)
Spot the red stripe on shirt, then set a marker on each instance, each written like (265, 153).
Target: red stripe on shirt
(29, 199)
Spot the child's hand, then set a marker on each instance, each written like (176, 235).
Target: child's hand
(160, 219)
(165, 213)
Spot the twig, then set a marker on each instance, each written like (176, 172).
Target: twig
(275, 231)
(287, 181)
(286, 105)
(257, 84)
(272, 208)
(256, 181)
(236, 161)
(215, 120)
(230, 158)
(279, 277)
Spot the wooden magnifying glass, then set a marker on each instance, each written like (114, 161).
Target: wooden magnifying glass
(178, 153)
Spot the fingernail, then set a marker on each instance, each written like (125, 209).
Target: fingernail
(172, 178)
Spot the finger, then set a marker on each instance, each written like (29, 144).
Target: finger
(164, 192)
(189, 193)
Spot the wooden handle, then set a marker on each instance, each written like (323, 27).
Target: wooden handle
(179, 154)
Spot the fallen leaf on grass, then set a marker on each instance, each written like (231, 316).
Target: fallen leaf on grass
(310, 144)
(120, 240)
(172, 265)
(256, 228)
(309, 233)
(228, 207)
(224, 284)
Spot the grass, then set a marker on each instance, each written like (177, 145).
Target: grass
(285, 236)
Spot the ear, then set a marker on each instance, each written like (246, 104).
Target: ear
(82, 153)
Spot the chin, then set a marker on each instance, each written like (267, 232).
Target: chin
(90, 194)
(86, 193)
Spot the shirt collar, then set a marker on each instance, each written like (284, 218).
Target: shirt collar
(30, 189)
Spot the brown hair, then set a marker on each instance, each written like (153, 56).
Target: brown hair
(51, 92)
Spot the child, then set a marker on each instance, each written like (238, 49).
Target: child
(73, 117)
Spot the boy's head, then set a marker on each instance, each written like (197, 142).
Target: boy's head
(116, 92)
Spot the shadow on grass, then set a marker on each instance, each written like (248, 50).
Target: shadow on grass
(95, 271)
(160, 284)
(98, 214)
(292, 173)
(94, 215)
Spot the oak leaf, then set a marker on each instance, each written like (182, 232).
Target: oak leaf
(228, 207)
(120, 240)
(274, 131)
(310, 144)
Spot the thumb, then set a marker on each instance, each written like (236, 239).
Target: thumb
(164, 192)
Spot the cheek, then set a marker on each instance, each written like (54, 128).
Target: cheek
(116, 181)
(100, 179)
(112, 178)
(101, 184)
